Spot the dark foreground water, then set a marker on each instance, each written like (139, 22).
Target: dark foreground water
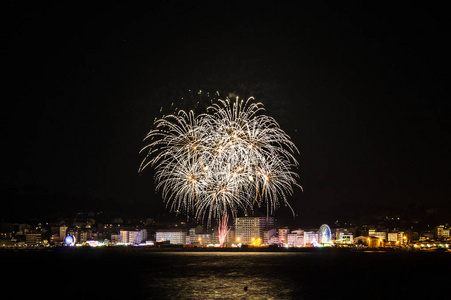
(113, 274)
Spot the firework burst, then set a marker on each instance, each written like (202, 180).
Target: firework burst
(228, 159)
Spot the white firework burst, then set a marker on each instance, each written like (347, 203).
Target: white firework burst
(226, 160)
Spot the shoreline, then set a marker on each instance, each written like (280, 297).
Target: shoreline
(181, 248)
(154, 249)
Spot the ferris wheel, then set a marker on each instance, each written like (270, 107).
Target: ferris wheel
(325, 235)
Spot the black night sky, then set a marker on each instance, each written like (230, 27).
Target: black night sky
(362, 89)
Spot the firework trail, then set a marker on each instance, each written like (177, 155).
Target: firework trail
(228, 159)
(223, 229)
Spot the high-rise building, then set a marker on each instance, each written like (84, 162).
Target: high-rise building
(248, 228)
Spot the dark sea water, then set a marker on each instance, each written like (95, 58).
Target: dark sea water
(113, 274)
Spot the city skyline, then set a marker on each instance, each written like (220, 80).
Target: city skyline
(360, 89)
(95, 230)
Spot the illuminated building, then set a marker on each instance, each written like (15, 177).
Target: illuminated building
(267, 235)
(63, 230)
(85, 235)
(340, 232)
(378, 234)
(292, 239)
(298, 232)
(203, 239)
(370, 241)
(347, 239)
(192, 235)
(375, 242)
(274, 240)
(132, 236)
(441, 232)
(361, 240)
(343, 237)
(283, 235)
(311, 239)
(296, 238)
(248, 228)
(55, 239)
(114, 238)
(230, 238)
(177, 237)
(300, 241)
(197, 237)
(395, 237)
(32, 238)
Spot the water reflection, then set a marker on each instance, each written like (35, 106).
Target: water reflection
(322, 275)
(219, 276)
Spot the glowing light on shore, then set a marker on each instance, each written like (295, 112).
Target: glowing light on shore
(256, 242)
